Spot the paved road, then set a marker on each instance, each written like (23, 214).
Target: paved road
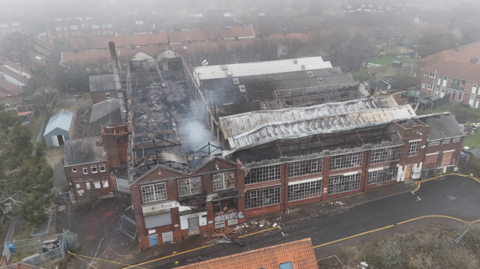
(456, 196)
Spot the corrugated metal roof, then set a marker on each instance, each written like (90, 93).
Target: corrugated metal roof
(62, 120)
(260, 68)
(257, 128)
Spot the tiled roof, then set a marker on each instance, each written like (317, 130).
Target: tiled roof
(14, 66)
(208, 34)
(122, 40)
(150, 39)
(8, 72)
(7, 88)
(300, 253)
(464, 54)
(456, 69)
(96, 58)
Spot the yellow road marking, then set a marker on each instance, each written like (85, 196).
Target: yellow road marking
(82, 260)
(390, 226)
(102, 260)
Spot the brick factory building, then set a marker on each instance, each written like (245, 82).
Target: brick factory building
(215, 145)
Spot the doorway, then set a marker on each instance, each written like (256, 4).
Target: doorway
(408, 171)
(193, 226)
(61, 140)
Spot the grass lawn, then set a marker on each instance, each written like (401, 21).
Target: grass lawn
(383, 60)
(473, 140)
(469, 110)
(443, 108)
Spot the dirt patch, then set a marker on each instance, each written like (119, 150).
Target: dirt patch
(54, 156)
(84, 109)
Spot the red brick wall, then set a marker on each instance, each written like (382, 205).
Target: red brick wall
(80, 178)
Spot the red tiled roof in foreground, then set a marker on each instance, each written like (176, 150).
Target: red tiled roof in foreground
(300, 253)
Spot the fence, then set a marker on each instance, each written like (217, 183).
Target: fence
(45, 250)
(42, 230)
(460, 112)
(127, 226)
(11, 231)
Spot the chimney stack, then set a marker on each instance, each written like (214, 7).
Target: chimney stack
(456, 48)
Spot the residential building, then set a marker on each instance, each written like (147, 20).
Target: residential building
(105, 113)
(86, 166)
(9, 26)
(459, 79)
(296, 254)
(465, 54)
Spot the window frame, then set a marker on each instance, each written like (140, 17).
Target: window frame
(411, 147)
(225, 181)
(107, 95)
(192, 189)
(157, 189)
(272, 194)
(344, 183)
(85, 170)
(304, 189)
(92, 169)
(74, 169)
(263, 174)
(102, 168)
(456, 139)
(432, 143)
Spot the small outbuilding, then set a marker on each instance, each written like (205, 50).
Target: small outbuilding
(59, 128)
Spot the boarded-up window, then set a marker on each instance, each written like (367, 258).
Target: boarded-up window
(158, 220)
(447, 158)
(431, 160)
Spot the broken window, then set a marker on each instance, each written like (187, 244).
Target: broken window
(262, 174)
(236, 81)
(154, 192)
(94, 169)
(434, 143)
(97, 185)
(344, 161)
(85, 170)
(306, 167)
(456, 139)
(74, 170)
(385, 155)
(344, 183)
(413, 148)
(258, 198)
(446, 141)
(380, 176)
(189, 186)
(222, 181)
(304, 190)
(102, 168)
(107, 95)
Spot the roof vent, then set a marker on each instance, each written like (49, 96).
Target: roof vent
(320, 79)
(303, 66)
(224, 67)
(242, 88)
(236, 81)
(229, 73)
(295, 62)
(310, 73)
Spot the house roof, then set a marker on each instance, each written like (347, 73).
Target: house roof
(97, 58)
(300, 253)
(16, 76)
(456, 69)
(14, 66)
(104, 113)
(60, 120)
(84, 150)
(211, 34)
(464, 54)
(442, 126)
(259, 68)
(260, 127)
(104, 82)
(8, 88)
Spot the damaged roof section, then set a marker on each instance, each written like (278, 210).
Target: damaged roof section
(442, 126)
(84, 150)
(257, 128)
(104, 113)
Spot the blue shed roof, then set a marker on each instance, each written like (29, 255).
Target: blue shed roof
(62, 120)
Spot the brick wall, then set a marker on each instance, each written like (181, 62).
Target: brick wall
(80, 178)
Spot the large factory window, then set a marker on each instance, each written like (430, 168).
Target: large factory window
(262, 174)
(258, 198)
